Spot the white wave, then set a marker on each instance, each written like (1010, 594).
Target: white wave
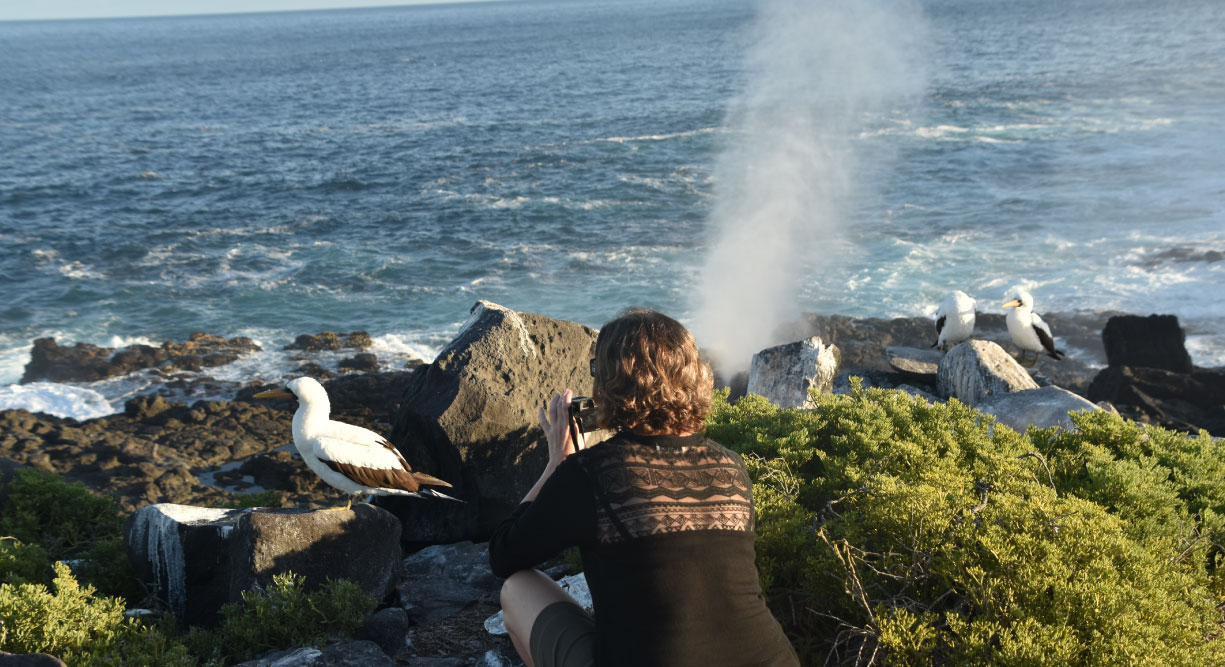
(940, 131)
(658, 137)
(60, 400)
(403, 347)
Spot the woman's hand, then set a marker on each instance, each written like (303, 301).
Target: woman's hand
(556, 422)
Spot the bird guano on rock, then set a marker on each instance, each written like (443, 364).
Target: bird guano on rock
(954, 319)
(1027, 329)
(350, 458)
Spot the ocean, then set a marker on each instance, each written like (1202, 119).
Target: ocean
(733, 163)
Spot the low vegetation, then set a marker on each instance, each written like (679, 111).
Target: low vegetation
(892, 530)
(77, 613)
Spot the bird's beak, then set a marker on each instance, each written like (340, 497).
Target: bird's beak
(274, 393)
(1015, 303)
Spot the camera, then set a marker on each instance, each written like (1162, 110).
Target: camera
(582, 411)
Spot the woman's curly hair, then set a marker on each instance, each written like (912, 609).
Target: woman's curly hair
(649, 376)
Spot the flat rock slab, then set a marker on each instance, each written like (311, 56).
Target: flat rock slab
(443, 579)
(1042, 408)
(914, 360)
(344, 654)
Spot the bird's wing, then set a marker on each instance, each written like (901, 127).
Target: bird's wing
(354, 444)
(939, 328)
(372, 466)
(1043, 330)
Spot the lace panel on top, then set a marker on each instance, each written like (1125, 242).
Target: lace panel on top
(655, 490)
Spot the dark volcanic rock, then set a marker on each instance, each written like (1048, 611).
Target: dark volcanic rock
(330, 340)
(361, 544)
(82, 362)
(1155, 341)
(29, 660)
(471, 417)
(180, 553)
(361, 363)
(1182, 401)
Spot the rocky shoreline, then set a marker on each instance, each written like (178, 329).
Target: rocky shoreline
(468, 417)
(159, 450)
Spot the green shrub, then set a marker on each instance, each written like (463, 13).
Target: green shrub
(260, 499)
(79, 627)
(22, 563)
(69, 522)
(891, 528)
(283, 616)
(65, 518)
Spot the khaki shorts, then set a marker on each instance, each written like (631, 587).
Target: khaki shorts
(563, 636)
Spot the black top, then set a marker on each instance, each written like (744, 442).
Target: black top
(665, 528)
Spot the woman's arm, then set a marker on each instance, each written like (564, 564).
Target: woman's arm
(556, 421)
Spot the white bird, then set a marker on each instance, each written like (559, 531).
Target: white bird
(350, 458)
(1027, 329)
(954, 319)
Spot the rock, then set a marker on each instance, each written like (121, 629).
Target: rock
(915, 361)
(787, 373)
(1042, 408)
(330, 341)
(575, 585)
(1181, 401)
(89, 363)
(976, 369)
(471, 417)
(443, 579)
(362, 363)
(29, 660)
(863, 341)
(358, 653)
(361, 544)
(494, 659)
(1155, 341)
(196, 559)
(388, 628)
(180, 553)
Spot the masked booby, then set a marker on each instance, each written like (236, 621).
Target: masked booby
(954, 319)
(351, 458)
(1027, 329)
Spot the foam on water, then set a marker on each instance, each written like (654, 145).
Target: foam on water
(60, 400)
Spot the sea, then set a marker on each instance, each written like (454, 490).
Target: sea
(735, 163)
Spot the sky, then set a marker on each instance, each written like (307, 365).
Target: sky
(11, 10)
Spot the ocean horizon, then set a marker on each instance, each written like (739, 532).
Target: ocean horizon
(733, 163)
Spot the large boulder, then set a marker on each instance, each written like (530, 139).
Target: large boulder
(471, 417)
(1042, 408)
(786, 374)
(914, 362)
(1156, 341)
(196, 559)
(361, 544)
(976, 369)
(1182, 401)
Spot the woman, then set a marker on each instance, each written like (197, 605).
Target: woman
(662, 516)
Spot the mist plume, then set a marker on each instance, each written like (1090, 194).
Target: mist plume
(815, 71)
